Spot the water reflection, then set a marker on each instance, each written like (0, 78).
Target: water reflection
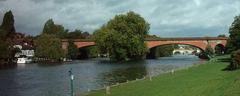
(122, 75)
(53, 79)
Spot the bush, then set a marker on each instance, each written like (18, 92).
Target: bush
(235, 62)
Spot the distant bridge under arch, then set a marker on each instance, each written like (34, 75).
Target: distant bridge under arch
(199, 42)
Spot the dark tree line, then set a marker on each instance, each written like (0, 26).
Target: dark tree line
(7, 32)
(48, 43)
(233, 44)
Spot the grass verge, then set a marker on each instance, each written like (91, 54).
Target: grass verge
(204, 80)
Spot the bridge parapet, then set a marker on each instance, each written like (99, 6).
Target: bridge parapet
(200, 42)
(186, 38)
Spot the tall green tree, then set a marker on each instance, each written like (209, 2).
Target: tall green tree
(234, 39)
(7, 31)
(76, 34)
(209, 50)
(49, 46)
(123, 37)
(3, 34)
(4, 53)
(73, 51)
(51, 28)
(7, 26)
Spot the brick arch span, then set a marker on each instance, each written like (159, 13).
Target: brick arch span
(152, 44)
(78, 42)
(200, 43)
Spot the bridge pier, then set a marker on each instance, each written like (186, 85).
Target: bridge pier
(152, 53)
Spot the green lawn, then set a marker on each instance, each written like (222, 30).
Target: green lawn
(203, 80)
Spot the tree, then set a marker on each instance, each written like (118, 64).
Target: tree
(72, 50)
(93, 51)
(222, 35)
(49, 46)
(7, 31)
(235, 61)
(209, 50)
(219, 49)
(4, 53)
(7, 26)
(166, 50)
(51, 28)
(3, 34)
(123, 37)
(234, 39)
(76, 34)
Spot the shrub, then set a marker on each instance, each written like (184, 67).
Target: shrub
(235, 62)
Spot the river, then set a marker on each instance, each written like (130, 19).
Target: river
(53, 79)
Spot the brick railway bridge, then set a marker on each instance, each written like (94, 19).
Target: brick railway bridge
(199, 42)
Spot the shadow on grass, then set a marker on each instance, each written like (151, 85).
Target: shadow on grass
(227, 59)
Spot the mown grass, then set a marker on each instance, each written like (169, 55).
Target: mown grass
(207, 79)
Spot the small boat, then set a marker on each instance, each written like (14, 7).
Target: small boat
(23, 60)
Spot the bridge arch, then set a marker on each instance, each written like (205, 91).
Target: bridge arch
(201, 45)
(219, 49)
(199, 42)
(152, 50)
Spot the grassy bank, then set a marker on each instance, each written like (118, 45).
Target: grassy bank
(203, 80)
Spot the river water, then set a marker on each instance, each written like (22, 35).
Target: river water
(54, 80)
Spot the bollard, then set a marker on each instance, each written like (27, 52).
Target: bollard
(71, 81)
(127, 81)
(108, 90)
(172, 71)
(88, 90)
(150, 78)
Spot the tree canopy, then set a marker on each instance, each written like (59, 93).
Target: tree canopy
(209, 50)
(49, 46)
(123, 37)
(234, 38)
(8, 24)
(7, 30)
(72, 50)
(51, 28)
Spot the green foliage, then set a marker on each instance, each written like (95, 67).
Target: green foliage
(235, 62)
(201, 80)
(8, 24)
(49, 46)
(77, 34)
(4, 53)
(219, 50)
(51, 28)
(209, 50)
(123, 37)
(93, 51)
(72, 50)
(234, 38)
(3, 34)
(166, 50)
(222, 35)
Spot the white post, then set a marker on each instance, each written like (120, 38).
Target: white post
(108, 90)
(172, 71)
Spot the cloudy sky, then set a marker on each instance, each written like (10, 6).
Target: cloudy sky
(168, 18)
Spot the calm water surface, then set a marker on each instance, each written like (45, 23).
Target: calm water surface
(53, 80)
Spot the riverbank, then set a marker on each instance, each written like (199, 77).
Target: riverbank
(201, 80)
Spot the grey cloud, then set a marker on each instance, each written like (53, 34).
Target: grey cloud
(167, 17)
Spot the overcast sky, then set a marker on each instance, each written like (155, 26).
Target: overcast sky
(167, 18)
